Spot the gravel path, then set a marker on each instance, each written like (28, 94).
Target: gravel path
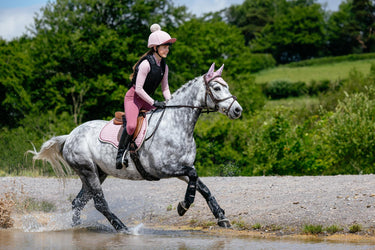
(283, 202)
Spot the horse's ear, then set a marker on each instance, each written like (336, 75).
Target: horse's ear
(210, 72)
(219, 71)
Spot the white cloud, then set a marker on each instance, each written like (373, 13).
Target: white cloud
(13, 21)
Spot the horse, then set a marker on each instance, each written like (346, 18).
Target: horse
(170, 152)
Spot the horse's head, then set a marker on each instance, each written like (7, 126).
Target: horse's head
(218, 96)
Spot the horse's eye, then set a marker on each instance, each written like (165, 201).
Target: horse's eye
(217, 88)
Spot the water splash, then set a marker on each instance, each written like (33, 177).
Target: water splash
(46, 222)
(137, 229)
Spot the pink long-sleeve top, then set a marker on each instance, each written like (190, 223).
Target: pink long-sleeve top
(143, 70)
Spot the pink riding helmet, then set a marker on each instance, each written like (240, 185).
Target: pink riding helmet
(158, 37)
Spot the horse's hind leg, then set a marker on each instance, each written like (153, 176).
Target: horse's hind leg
(217, 211)
(82, 198)
(78, 203)
(90, 179)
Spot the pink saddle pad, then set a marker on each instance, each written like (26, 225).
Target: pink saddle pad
(110, 133)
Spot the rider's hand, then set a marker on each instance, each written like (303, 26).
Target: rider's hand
(158, 104)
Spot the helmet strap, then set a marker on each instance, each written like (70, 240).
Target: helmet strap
(157, 51)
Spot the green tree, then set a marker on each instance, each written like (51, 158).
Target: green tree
(84, 51)
(351, 28)
(15, 74)
(251, 16)
(364, 14)
(341, 32)
(293, 36)
(200, 43)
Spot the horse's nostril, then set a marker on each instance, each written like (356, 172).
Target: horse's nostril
(237, 110)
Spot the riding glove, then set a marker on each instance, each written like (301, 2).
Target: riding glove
(158, 104)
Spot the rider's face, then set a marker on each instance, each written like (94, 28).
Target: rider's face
(163, 50)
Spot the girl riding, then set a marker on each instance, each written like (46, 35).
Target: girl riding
(148, 73)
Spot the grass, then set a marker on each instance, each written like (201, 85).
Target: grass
(203, 224)
(301, 102)
(306, 74)
(313, 229)
(333, 229)
(355, 228)
(240, 224)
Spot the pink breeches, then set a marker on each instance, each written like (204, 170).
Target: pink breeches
(132, 105)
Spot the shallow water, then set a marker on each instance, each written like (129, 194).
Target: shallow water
(146, 238)
(41, 230)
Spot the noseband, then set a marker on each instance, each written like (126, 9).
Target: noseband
(215, 100)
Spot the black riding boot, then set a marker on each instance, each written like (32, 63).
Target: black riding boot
(122, 146)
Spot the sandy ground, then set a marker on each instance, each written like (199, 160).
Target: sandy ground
(278, 205)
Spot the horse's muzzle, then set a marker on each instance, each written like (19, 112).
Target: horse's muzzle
(235, 111)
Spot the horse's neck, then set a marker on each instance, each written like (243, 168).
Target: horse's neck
(191, 94)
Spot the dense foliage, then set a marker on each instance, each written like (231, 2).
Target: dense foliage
(296, 140)
(76, 66)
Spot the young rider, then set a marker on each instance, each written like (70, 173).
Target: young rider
(148, 73)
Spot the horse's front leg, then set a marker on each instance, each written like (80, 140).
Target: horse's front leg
(217, 211)
(183, 206)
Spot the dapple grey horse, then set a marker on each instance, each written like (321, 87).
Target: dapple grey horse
(170, 151)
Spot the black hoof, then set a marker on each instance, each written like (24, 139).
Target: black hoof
(224, 223)
(181, 208)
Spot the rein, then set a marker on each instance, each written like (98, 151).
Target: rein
(206, 109)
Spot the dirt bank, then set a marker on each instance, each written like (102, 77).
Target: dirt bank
(273, 205)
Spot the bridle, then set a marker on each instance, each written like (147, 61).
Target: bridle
(215, 100)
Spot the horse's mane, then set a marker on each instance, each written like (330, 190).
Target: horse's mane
(186, 86)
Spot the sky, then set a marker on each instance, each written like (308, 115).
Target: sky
(16, 15)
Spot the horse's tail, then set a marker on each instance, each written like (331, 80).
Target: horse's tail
(51, 151)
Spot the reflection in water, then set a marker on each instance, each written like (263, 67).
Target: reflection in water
(96, 238)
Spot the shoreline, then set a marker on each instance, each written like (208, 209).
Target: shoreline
(276, 207)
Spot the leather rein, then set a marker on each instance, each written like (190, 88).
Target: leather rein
(208, 110)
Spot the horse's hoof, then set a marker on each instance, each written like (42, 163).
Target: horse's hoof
(224, 223)
(181, 208)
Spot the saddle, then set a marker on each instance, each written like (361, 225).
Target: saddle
(112, 131)
(120, 117)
